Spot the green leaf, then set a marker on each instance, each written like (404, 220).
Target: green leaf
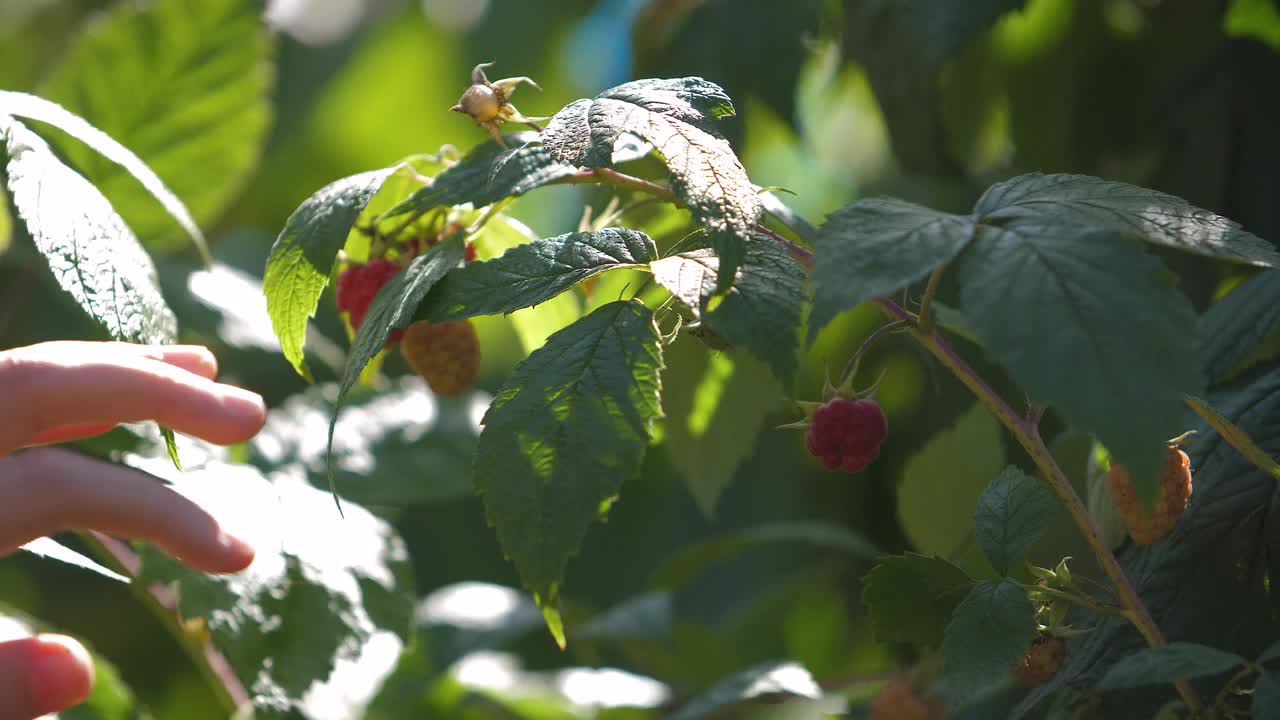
(911, 597)
(487, 174)
(50, 549)
(691, 560)
(336, 595)
(763, 310)
(678, 116)
(1234, 436)
(569, 426)
(393, 308)
(934, 485)
(1235, 325)
(904, 46)
(399, 447)
(716, 404)
(92, 253)
(774, 680)
(1012, 515)
(1167, 663)
(1271, 653)
(876, 246)
(1089, 202)
(184, 85)
(303, 256)
(533, 273)
(1258, 19)
(34, 108)
(1266, 692)
(988, 634)
(648, 616)
(1086, 321)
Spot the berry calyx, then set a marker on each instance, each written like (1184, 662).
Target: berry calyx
(1172, 495)
(1043, 660)
(446, 355)
(898, 701)
(846, 434)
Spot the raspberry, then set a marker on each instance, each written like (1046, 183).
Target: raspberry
(1043, 660)
(446, 355)
(846, 434)
(897, 701)
(470, 254)
(358, 285)
(1170, 504)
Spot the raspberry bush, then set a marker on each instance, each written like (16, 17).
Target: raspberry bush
(549, 369)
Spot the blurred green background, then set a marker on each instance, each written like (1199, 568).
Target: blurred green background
(929, 100)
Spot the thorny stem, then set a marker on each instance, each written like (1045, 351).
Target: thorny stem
(925, 319)
(1024, 429)
(852, 366)
(1028, 435)
(1078, 599)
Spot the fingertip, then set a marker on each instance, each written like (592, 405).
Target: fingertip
(61, 673)
(238, 553)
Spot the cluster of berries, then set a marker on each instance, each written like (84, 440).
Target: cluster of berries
(446, 355)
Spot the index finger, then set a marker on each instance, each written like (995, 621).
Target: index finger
(45, 391)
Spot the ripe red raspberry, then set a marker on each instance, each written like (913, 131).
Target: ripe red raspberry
(897, 701)
(470, 254)
(1043, 660)
(358, 285)
(1171, 498)
(446, 355)
(846, 434)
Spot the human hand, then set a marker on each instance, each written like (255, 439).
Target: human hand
(59, 391)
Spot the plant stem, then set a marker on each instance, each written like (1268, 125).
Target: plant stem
(925, 319)
(1079, 599)
(852, 366)
(1028, 436)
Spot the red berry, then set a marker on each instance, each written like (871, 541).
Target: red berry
(358, 285)
(1043, 660)
(470, 254)
(446, 355)
(1171, 498)
(897, 701)
(846, 434)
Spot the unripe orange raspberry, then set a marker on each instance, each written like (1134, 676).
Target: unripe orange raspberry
(1043, 660)
(446, 355)
(897, 701)
(1171, 498)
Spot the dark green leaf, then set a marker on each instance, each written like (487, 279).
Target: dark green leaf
(903, 46)
(569, 426)
(763, 310)
(934, 486)
(876, 246)
(692, 559)
(92, 253)
(774, 680)
(535, 272)
(30, 106)
(1266, 691)
(989, 632)
(488, 174)
(1088, 202)
(1012, 514)
(184, 85)
(1164, 664)
(400, 447)
(648, 616)
(340, 600)
(1089, 323)
(1271, 653)
(716, 404)
(911, 597)
(303, 256)
(1234, 327)
(393, 308)
(1235, 437)
(678, 117)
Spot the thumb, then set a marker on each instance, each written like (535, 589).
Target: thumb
(41, 675)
